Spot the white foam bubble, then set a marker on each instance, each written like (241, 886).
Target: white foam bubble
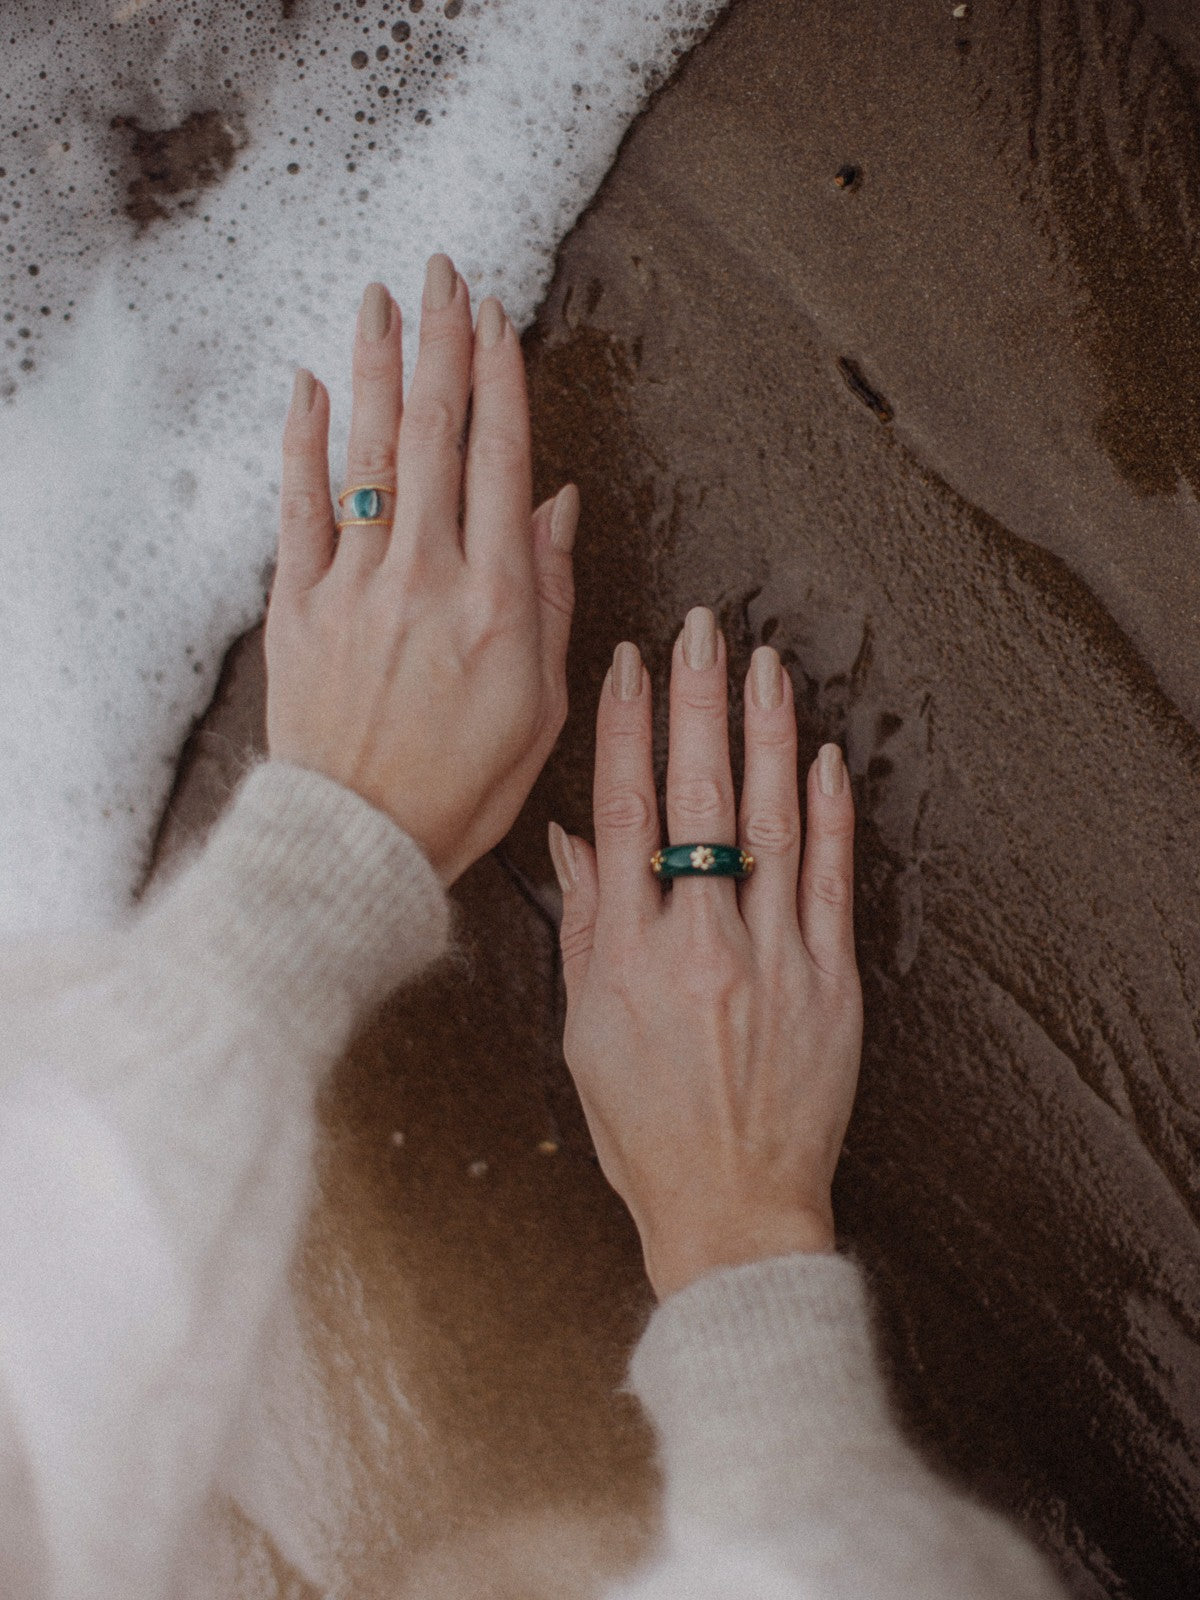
(149, 336)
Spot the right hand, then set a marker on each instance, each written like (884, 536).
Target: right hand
(713, 1029)
(423, 663)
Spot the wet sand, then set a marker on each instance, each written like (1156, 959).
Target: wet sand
(993, 600)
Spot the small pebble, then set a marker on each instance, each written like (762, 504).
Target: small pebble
(397, 1138)
(477, 1169)
(548, 1147)
(846, 177)
(959, 13)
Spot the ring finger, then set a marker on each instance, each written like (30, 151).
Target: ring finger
(378, 378)
(700, 806)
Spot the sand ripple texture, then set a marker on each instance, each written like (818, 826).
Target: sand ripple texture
(993, 599)
(193, 194)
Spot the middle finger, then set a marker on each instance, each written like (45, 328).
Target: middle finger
(429, 462)
(374, 421)
(700, 807)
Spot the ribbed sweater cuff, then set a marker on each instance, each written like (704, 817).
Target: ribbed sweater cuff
(754, 1377)
(307, 899)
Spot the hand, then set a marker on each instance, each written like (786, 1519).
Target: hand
(423, 663)
(713, 1029)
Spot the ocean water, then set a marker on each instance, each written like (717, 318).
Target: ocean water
(193, 194)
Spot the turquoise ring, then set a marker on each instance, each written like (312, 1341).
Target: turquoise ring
(366, 506)
(702, 861)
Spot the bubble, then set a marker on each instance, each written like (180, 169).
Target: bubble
(158, 287)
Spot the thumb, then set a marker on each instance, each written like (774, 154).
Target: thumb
(575, 868)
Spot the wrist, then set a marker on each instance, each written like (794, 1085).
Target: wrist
(675, 1260)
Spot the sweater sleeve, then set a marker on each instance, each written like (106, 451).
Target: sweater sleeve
(156, 1122)
(785, 1476)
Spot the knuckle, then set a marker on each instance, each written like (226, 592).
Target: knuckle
(622, 733)
(374, 363)
(442, 328)
(774, 738)
(556, 590)
(699, 799)
(498, 448)
(623, 809)
(772, 833)
(299, 443)
(304, 505)
(575, 942)
(708, 699)
(432, 423)
(374, 459)
(839, 828)
(831, 889)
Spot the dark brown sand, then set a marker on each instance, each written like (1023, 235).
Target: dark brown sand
(993, 600)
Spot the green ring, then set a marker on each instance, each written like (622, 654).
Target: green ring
(714, 861)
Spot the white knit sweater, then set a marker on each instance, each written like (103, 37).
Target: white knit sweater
(156, 1129)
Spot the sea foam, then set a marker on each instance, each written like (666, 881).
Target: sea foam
(192, 196)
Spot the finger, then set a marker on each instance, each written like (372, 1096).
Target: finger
(429, 457)
(623, 802)
(377, 376)
(498, 472)
(554, 525)
(575, 868)
(699, 782)
(827, 875)
(306, 530)
(769, 825)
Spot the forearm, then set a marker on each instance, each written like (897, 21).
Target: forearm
(156, 1137)
(780, 1455)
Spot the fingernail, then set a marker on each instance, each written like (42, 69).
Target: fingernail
(831, 769)
(375, 313)
(700, 639)
(626, 672)
(304, 390)
(564, 519)
(491, 322)
(440, 282)
(562, 854)
(766, 676)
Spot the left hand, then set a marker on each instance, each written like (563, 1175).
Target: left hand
(423, 663)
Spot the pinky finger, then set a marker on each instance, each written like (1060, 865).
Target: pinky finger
(575, 868)
(554, 525)
(306, 528)
(827, 873)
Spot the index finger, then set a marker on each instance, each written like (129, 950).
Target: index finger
(498, 489)
(624, 803)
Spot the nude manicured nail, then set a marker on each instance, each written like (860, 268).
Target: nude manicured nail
(700, 639)
(304, 390)
(626, 672)
(766, 677)
(564, 519)
(562, 854)
(375, 313)
(491, 322)
(440, 283)
(831, 769)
